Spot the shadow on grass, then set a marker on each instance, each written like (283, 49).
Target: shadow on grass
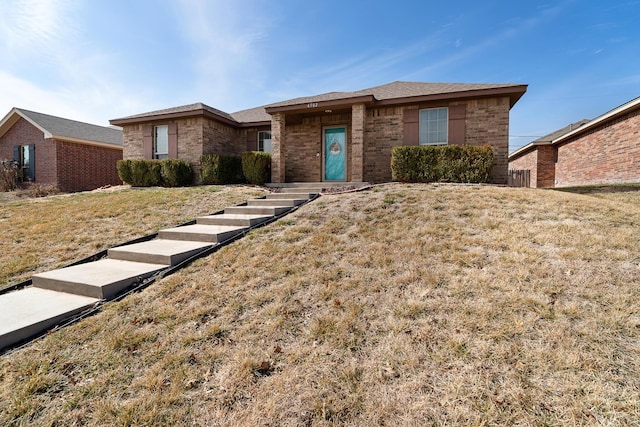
(599, 189)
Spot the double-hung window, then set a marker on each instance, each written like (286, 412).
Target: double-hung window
(264, 141)
(434, 126)
(161, 142)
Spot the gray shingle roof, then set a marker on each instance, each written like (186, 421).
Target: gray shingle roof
(65, 128)
(252, 115)
(196, 107)
(389, 91)
(395, 90)
(558, 133)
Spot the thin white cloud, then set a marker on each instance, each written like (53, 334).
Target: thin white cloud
(224, 40)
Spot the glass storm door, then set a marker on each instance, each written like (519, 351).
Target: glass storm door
(335, 154)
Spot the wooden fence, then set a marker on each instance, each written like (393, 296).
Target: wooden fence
(519, 178)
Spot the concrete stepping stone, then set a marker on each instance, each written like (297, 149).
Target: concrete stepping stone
(27, 312)
(257, 210)
(105, 278)
(241, 220)
(159, 251)
(276, 202)
(292, 195)
(201, 233)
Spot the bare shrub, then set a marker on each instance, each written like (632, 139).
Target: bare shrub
(8, 175)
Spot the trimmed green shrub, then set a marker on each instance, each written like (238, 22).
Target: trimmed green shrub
(220, 169)
(256, 167)
(140, 173)
(124, 170)
(176, 173)
(443, 163)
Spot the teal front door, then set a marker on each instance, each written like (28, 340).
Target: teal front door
(335, 154)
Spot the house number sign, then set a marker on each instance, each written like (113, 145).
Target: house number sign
(312, 105)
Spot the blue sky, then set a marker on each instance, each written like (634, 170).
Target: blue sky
(94, 60)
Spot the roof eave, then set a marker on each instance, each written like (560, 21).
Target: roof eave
(616, 112)
(168, 116)
(87, 142)
(514, 93)
(526, 148)
(321, 105)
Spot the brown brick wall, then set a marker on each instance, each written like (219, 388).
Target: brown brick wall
(608, 154)
(303, 146)
(487, 122)
(383, 131)
(132, 135)
(86, 167)
(196, 136)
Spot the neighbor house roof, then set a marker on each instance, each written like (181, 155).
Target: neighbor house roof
(606, 117)
(406, 92)
(548, 139)
(64, 129)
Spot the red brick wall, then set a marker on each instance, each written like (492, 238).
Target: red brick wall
(528, 161)
(24, 133)
(608, 154)
(86, 167)
(540, 161)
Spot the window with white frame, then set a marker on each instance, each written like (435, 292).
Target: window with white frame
(434, 126)
(264, 141)
(161, 142)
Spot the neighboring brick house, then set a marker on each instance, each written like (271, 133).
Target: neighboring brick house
(49, 150)
(337, 136)
(605, 150)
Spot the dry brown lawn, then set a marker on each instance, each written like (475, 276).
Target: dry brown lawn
(41, 234)
(405, 305)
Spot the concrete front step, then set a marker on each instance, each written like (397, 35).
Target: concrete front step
(30, 311)
(257, 210)
(105, 278)
(241, 220)
(276, 202)
(201, 233)
(308, 190)
(158, 251)
(291, 195)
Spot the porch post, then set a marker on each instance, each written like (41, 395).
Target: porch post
(278, 147)
(357, 142)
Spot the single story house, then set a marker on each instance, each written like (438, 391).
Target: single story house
(605, 150)
(49, 150)
(336, 136)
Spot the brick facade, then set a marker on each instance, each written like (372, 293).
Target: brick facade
(607, 154)
(86, 167)
(375, 119)
(540, 161)
(69, 166)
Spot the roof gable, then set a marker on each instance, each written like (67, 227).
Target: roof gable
(64, 129)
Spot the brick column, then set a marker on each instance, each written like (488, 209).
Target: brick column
(277, 147)
(357, 142)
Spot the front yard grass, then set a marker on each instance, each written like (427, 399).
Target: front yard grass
(403, 305)
(43, 234)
